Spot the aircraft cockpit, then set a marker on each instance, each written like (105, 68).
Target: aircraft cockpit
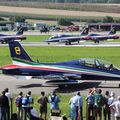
(96, 63)
(58, 36)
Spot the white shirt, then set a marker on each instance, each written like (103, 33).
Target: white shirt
(111, 100)
(9, 96)
(34, 113)
(116, 105)
(78, 100)
(72, 102)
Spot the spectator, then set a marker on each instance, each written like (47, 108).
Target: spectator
(34, 114)
(116, 107)
(79, 106)
(72, 108)
(43, 104)
(110, 101)
(18, 102)
(26, 101)
(4, 105)
(97, 103)
(9, 96)
(54, 101)
(106, 109)
(89, 104)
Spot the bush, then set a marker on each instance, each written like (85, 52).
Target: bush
(64, 22)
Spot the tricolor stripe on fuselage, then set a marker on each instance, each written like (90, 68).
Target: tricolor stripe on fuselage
(61, 68)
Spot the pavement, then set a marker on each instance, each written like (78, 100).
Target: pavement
(82, 44)
(37, 85)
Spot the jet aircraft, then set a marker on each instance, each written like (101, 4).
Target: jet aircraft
(81, 69)
(68, 39)
(101, 37)
(7, 38)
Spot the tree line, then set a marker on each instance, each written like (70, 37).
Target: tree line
(71, 1)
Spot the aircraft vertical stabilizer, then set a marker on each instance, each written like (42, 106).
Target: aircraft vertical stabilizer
(113, 31)
(17, 51)
(20, 31)
(85, 31)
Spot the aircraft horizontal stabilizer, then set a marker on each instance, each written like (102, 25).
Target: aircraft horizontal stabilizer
(23, 77)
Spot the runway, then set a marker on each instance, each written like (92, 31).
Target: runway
(35, 85)
(82, 44)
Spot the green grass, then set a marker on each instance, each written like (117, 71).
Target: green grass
(36, 38)
(56, 54)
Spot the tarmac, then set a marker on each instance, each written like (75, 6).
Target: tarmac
(37, 85)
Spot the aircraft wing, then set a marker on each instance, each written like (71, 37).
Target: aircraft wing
(6, 39)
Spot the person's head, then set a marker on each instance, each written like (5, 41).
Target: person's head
(107, 93)
(3, 92)
(99, 91)
(21, 93)
(29, 93)
(42, 93)
(78, 93)
(118, 98)
(112, 94)
(90, 91)
(6, 90)
(53, 92)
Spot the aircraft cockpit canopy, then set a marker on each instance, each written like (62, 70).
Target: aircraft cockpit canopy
(58, 36)
(96, 63)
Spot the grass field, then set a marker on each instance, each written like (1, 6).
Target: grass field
(55, 54)
(36, 38)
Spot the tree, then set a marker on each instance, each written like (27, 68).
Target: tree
(64, 22)
(17, 19)
(108, 19)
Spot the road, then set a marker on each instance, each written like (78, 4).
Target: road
(82, 44)
(35, 85)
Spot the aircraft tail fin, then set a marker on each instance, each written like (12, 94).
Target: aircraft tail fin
(85, 31)
(113, 31)
(17, 51)
(20, 31)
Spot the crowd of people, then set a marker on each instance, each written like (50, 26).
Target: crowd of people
(98, 106)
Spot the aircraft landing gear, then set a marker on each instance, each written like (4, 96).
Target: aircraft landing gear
(119, 85)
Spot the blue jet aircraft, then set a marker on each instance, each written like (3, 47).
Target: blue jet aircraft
(7, 38)
(81, 69)
(101, 37)
(68, 39)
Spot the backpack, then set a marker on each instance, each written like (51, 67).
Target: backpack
(25, 101)
(18, 101)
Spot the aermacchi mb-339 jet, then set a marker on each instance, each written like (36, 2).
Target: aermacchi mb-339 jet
(96, 38)
(81, 69)
(7, 38)
(68, 39)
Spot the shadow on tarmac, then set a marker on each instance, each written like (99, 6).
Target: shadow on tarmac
(74, 88)
(64, 88)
